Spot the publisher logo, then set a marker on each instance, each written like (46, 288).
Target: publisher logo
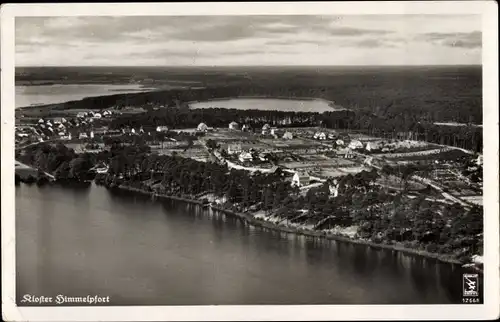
(470, 285)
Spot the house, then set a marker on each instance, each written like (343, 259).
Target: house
(246, 128)
(273, 131)
(162, 128)
(202, 127)
(266, 127)
(132, 131)
(372, 146)
(83, 135)
(301, 179)
(288, 135)
(245, 156)
(479, 160)
(234, 148)
(91, 134)
(103, 169)
(348, 154)
(355, 144)
(97, 115)
(234, 126)
(334, 188)
(320, 136)
(339, 142)
(141, 130)
(81, 115)
(41, 121)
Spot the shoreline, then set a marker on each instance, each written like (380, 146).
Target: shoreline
(298, 231)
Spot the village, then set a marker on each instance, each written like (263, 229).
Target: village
(308, 156)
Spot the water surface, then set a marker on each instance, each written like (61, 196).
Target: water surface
(267, 104)
(78, 241)
(60, 93)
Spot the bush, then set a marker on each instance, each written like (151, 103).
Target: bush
(431, 248)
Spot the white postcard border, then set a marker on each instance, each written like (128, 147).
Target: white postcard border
(490, 308)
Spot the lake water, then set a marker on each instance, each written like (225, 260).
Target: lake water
(77, 241)
(268, 104)
(51, 94)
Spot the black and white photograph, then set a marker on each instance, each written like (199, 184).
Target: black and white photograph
(169, 156)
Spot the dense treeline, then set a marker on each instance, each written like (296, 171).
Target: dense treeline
(58, 160)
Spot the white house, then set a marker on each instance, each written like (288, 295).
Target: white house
(245, 156)
(479, 160)
(301, 179)
(339, 142)
(320, 136)
(40, 121)
(97, 115)
(162, 128)
(81, 115)
(233, 126)
(233, 148)
(83, 135)
(355, 144)
(245, 127)
(372, 146)
(288, 135)
(132, 131)
(202, 127)
(91, 134)
(334, 188)
(348, 154)
(266, 127)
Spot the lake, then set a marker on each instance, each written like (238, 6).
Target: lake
(52, 94)
(77, 241)
(267, 104)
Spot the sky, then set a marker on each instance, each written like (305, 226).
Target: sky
(248, 40)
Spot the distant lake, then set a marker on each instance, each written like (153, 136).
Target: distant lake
(60, 93)
(267, 104)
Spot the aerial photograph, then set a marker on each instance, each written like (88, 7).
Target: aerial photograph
(248, 160)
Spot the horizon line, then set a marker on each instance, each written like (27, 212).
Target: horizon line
(227, 66)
